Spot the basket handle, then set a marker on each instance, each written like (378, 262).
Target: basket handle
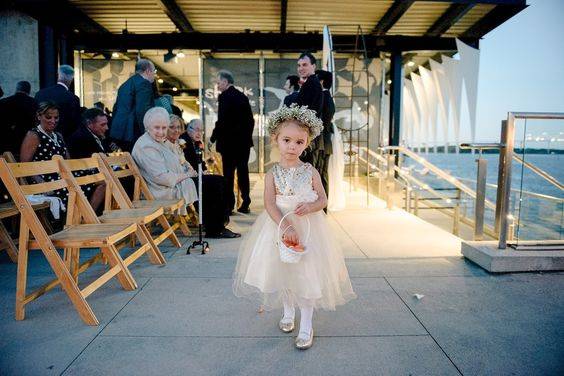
(280, 226)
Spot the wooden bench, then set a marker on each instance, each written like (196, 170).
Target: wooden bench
(142, 196)
(83, 230)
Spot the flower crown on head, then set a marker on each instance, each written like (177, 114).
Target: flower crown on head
(300, 114)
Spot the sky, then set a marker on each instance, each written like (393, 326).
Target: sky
(522, 69)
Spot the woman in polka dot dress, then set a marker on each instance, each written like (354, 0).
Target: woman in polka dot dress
(42, 143)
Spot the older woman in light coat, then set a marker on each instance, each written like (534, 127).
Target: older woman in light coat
(165, 176)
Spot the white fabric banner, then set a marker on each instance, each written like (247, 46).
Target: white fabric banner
(421, 99)
(470, 68)
(405, 117)
(328, 62)
(441, 83)
(455, 92)
(410, 114)
(336, 164)
(328, 58)
(431, 92)
(415, 114)
(336, 170)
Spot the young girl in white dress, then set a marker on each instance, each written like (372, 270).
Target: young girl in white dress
(320, 279)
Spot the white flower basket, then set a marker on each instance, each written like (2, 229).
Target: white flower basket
(288, 255)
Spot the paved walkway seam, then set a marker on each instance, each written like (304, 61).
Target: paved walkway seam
(108, 323)
(424, 327)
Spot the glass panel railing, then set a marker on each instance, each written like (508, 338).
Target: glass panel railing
(537, 197)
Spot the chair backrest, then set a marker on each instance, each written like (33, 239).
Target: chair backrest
(114, 192)
(9, 157)
(127, 167)
(77, 205)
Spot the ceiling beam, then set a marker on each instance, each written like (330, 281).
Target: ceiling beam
(476, 2)
(59, 14)
(491, 20)
(250, 42)
(393, 14)
(176, 15)
(450, 17)
(283, 15)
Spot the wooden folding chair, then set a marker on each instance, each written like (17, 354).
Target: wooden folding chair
(83, 230)
(9, 210)
(142, 196)
(116, 197)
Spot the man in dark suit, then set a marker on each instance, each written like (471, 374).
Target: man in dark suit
(18, 114)
(69, 104)
(233, 133)
(292, 87)
(135, 97)
(90, 137)
(321, 159)
(310, 90)
(310, 95)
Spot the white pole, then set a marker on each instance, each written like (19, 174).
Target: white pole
(200, 211)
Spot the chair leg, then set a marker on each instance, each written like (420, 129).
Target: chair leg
(124, 276)
(172, 237)
(44, 219)
(10, 245)
(70, 287)
(21, 281)
(75, 263)
(184, 226)
(154, 253)
(67, 257)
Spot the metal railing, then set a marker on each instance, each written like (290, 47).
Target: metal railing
(386, 163)
(417, 193)
(481, 176)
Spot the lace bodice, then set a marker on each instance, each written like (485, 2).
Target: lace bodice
(295, 181)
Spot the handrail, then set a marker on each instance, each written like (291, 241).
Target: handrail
(496, 146)
(536, 115)
(439, 172)
(419, 185)
(481, 146)
(528, 193)
(546, 176)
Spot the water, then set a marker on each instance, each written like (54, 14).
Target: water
(464, 166)
(536, 218)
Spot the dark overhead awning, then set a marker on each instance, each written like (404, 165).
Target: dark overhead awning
(241, 25)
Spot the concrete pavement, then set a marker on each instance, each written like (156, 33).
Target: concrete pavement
(184, 319)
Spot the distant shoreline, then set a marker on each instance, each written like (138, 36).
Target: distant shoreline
(452, 149)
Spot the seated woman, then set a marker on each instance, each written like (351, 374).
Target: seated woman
(42, 143)
(165, 177)
(213, 187)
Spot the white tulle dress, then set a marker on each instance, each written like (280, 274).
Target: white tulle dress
(319, 278)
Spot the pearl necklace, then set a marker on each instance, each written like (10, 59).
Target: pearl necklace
(53, 138)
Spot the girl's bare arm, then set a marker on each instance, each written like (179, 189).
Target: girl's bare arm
(321, 202)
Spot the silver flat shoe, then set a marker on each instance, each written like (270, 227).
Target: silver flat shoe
(286, 327)
(304, 344)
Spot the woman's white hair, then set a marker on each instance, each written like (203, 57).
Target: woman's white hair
(154, 115)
